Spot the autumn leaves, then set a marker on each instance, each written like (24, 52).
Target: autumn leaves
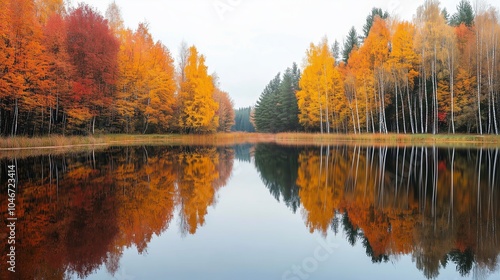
(76, 72)
(435, 74)
(321, 93)
(197, 88)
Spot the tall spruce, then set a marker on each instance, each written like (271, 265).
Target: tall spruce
(265, 109)
(464, 14)
(287, 108)
(351, 42)
(277, 109)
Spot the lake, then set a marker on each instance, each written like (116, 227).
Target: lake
(254, 212)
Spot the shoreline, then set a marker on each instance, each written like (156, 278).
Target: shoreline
(221, 139)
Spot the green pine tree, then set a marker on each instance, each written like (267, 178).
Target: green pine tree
(265, 109)
(464, 14)
(351, 42)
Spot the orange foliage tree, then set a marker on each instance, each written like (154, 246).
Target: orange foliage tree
(225, 112)
(196, 102)
(146, 82)
(321, 100)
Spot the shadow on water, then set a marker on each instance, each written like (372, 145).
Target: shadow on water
(79, 212)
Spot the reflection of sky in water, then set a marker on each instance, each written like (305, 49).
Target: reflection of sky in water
(249, 235)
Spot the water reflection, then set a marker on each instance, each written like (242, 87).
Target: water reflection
(80, 212)
(77, 212)
(439, 205)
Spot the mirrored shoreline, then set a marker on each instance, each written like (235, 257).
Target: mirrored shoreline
(79, 212)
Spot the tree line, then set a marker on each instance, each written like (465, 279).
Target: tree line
(242, 120)
(435, 74)
(71, 70)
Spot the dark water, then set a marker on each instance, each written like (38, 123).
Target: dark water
(255, 212)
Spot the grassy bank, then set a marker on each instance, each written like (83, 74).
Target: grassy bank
(56, 142)
(74, 142)
(19, 147)
(460, 140)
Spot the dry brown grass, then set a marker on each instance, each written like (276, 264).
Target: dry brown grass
(57, 142)
(50, 144)
(393, 139)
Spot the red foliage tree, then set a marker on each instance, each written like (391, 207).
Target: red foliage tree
(93, 52)
(60, 70)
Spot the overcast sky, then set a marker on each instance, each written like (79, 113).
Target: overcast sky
(247, 42)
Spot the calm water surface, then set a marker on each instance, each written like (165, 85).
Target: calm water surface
(256, 212)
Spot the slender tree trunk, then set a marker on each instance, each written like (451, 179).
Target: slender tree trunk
(320, 112)
(42, 122)
(396, 93)
(495, 44)
(14, 123)
(403, 110)
(50, 119)
(479, 51)
(426, 125)
(57, 104)
(353, 120)
(410, 107)
(494, 115)
(434, 92)
(321, 117)
(327, 105)
(421, 114)
(64, 123)
(491, 62)
(373, 121)
(452, 86)
(489, 126)
(145, 126)
(366, 109)
(424, 80)
(382, 102)
(376, 104)
(436, 110)
(434, 97)
(327, 113)
(357, 111)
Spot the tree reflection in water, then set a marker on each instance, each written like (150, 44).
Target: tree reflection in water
(438, 205)
(78, 212)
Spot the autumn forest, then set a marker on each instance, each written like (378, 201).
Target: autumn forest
(436, 74)
(73, 71)
(70, 70)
